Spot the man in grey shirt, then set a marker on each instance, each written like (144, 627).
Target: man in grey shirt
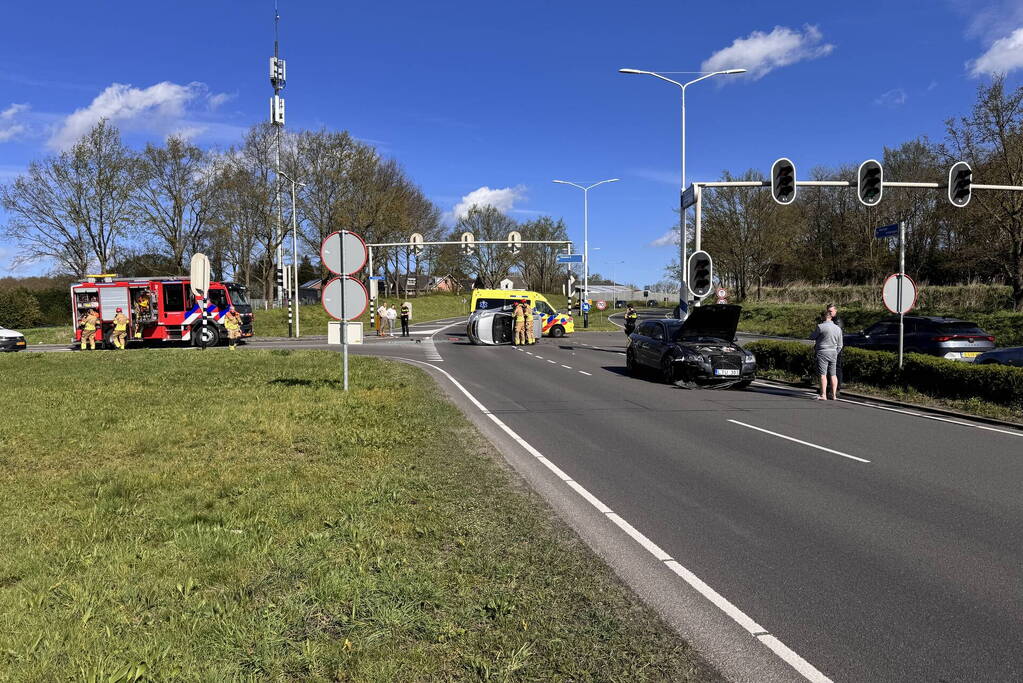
(827, 343)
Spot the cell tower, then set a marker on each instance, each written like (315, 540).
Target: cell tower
(277, 80)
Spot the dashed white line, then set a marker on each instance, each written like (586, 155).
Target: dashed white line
(737, 615)
(550, 361)
(567, 367)
(583, 372)
(799, 441)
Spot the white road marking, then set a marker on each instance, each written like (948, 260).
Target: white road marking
(583, 372)
(540, 357)
(786, 654)
(799, 441)
(530, 353)
(567, 367)
(550, 361)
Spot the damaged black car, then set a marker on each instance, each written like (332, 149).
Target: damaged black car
(701, 351)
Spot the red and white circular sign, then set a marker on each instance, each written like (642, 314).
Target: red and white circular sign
(601, 305)
(347, 294)
(890, 294)
(722, 293)
(344, 243)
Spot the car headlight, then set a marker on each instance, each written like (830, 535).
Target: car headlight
(749, 358)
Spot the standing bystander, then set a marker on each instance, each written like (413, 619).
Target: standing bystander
(406, 315)
(392, 315)
(827, 345)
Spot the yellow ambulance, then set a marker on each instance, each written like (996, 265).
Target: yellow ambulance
(554, 324)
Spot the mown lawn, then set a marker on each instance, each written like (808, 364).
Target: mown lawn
(218, 515)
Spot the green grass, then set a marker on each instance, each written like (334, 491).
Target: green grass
(221, 515)
(47, 335)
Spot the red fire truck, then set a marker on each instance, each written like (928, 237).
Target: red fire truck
(159, 308)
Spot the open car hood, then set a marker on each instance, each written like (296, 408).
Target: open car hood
(716, 320)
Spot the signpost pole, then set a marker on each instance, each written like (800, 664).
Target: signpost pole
(372, 291)
(205, 303)
(902, 276)
(344, 319)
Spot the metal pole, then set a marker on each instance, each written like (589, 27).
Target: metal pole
(344, 318)
(902, 275)
(294, 253)
(586, 256)
(683, 294)
(204, 318)
(372, 290)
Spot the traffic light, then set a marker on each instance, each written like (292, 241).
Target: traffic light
(468, 243)
(960, 184)
(783, 181)
(701, 274)
(870, 183)
(515, 242)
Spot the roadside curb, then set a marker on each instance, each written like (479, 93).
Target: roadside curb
(944, 412)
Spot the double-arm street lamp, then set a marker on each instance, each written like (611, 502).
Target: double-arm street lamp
(586, 241)
(293, 311)
(684, 288)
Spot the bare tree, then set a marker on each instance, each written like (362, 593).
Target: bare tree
(74, 208)
(490, 262)
(539, 262)
(174, 199)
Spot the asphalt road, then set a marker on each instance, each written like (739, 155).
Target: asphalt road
(785, 537)
(906, 567)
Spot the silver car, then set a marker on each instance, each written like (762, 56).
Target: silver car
(11, 340)
(489, 327)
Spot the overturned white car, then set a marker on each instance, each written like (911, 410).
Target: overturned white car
(491, 327)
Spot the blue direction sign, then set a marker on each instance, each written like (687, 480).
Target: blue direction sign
(586, 307)
(887, 231)
(570, 258)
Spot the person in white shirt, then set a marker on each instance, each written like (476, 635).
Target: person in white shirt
(392, 315)
(381, 317)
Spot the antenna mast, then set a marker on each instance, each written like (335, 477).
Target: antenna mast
(277, 80)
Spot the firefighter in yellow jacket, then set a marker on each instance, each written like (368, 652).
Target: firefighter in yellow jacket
(528, 310)
(120, 329)
(519, 313)
(89, 323)
(233, 325)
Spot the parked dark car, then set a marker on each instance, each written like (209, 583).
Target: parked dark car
(699, 351)
(11, 340)
(936, 336)
(621, 303)
(1012, 355)
(651, 303)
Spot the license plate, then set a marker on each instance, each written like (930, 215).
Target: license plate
(725, 372)
(971, 354)
(21, 343)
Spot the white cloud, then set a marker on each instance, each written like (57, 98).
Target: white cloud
(502, 199)
(760, 53)
(666, 240)
(1004, 55)
(215, 100)
(892, 98)
(9, 128)
(158, 107)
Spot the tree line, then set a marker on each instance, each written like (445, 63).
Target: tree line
(827, 235)
(104, 207)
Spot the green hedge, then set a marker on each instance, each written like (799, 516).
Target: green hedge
(927, 374)
(18, 308)
(986, 298)
(798, 320)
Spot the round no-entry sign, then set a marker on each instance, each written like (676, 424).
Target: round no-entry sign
(890, 294)
(601, 305)
(354, 248)
(722, 293)
(349, 290)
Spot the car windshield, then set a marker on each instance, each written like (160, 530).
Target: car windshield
(483, 304)
(239, 299)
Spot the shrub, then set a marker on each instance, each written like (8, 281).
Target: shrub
(18, 308)
(927, 374)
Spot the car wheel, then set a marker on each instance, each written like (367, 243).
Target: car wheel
(667, 369)
(744, 384)
(630, 363)
(212, 337)
(108, 339)
(557, 331)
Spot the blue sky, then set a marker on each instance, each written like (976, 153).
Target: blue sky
(494, 101)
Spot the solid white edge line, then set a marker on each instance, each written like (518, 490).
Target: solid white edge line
(799, 441)
(898, 410)
(783, 652)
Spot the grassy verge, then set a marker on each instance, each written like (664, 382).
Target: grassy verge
(973, 406)
(47, 335)
(217, 515)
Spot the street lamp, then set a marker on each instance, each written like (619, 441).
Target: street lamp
(294, 331)
(586, 241)
(683, 288)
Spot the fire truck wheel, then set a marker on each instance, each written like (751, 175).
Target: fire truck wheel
(212, 335)
(108, 339)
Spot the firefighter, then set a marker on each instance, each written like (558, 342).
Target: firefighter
(233, 324)
(630, 320)
(528, 311)
(143, 311)
(89, 323)
(519, 313)
(120, 329)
